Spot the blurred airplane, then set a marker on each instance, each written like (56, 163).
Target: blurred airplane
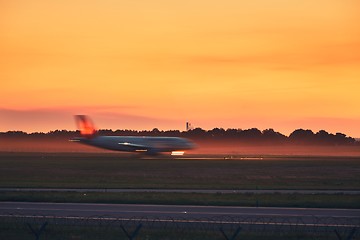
(141, 144)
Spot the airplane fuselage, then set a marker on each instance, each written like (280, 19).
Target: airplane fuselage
(144, 144)
(148, 145)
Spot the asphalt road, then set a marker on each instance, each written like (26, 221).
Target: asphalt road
(127, 211)
(225, 191)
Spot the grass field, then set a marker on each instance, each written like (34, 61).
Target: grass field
(11, 229)
(85, 170)
(251, 200)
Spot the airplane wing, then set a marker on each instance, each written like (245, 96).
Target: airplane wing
(139, 148)
(134, 146)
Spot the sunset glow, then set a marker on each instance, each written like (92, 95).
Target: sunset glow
(157, 64)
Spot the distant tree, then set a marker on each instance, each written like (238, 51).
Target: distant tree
(269, 135)
(217, 133)
(323, 137)
(15, 134)
(196, 133)
(172, 133)
(155, 132)
(233, 133)
(302, 136)
(252, 134)
(341, 139)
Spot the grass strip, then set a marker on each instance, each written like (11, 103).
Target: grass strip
(18, 228)
(249, 199)
(50, 170)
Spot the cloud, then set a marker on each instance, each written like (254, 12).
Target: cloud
(303, 57)
(41, 120)
(105, 117)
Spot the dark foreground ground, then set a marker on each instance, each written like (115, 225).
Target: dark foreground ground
(106, 171)
(112, 170)
(109, 170)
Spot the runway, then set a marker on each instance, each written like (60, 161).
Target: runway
(128, 211)
(209, 191)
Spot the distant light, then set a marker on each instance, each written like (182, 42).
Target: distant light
(177, 153)
(140, 150)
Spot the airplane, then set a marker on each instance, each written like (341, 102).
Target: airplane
(142, 144)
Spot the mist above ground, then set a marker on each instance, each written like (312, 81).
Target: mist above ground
(215, 141)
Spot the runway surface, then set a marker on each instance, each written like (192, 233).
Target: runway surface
(127, 211)
(144, 190)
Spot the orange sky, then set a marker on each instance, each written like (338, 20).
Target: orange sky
(143, 64)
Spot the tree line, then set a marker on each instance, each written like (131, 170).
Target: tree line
(251, 136)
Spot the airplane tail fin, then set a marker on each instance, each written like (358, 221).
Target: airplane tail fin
(85, 125)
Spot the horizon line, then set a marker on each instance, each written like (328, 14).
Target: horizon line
(181, 131)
